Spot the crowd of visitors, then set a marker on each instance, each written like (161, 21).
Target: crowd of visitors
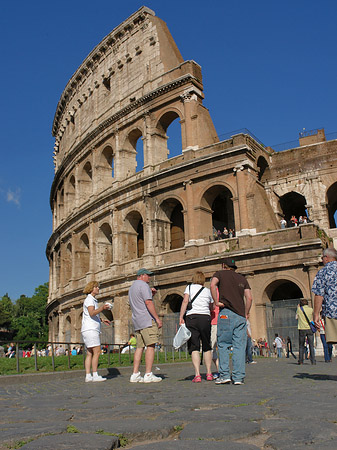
(294, 221)
(223, 234)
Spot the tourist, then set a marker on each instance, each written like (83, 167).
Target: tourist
(278, 345)
(303, 315)
(198, 304)
(324, 288)
(91, 329)
(131, 345)
(146, 323)
(232, 320)
(327, 348)
(289, 347)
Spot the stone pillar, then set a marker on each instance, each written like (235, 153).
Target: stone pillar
(190, 234)
(77, 186)
(92, 247)
(190, 112)
(312, 269)
(242, 196)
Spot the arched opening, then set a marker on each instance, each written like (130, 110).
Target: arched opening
(70, 194)
(283, 296)
(167, 140)
(67, 329)
(177, 227)
(107, 161)
(86, 182)
(217, 213)
(133, 236)
(83, 255)
(67, 264)
(58, 265)
(173, 302)
(332, 205)
(171, 232)
(263, 169)
(293, 204)
(104, 256)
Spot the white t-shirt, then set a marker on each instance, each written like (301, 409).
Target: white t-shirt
(88, 322)
(201, 304)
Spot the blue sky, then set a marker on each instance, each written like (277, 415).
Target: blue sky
(267, 66)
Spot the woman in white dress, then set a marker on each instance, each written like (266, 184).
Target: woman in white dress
(91, 329)
(198, 321)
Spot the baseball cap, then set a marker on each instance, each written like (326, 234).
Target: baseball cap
(230, 262)
(144, 271)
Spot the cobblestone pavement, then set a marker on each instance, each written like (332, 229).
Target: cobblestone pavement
(281, 406)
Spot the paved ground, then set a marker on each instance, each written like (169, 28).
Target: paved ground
(281, 406)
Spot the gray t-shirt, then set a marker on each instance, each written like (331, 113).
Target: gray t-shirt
(139, 292)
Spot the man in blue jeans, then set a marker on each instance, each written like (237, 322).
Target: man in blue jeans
(232, 320)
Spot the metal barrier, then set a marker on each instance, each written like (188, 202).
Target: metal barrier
(111, 349)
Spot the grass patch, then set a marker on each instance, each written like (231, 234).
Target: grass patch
(18, 444)
(263, 401)
(44, 363)
(123, 441)
(72, 429)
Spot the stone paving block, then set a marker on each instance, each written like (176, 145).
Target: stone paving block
(220, 430)
(195, 445)
(73, 441)
(139, 428)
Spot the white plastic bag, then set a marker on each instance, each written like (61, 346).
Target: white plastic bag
(181, 337)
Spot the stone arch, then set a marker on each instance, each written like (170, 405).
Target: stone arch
(281, 297)
(60, 203)
(106, 162)
(67, 329)
(85, 181)
(217, 210)
(162, 141)
(70, 193)
(67, 263)
(171, 230)
(263, 169)
(173, 302)
(104, 255)
(83, 254)
(293, 204)
(134, 236)
(133, 155)
(331, 198)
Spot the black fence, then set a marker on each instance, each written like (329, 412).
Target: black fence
(167, 351)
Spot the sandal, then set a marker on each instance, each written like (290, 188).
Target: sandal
(209, 377)
(197, 379)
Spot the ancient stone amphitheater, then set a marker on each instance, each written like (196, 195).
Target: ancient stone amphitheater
(123, 198)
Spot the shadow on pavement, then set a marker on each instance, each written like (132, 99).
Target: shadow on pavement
(318, 377)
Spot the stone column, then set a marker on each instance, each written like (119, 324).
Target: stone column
(92, 247)
(190, 231)
(190, 112)
(241, 181)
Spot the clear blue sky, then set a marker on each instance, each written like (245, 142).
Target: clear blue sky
(267, 66)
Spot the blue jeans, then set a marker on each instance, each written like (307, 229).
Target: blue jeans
(327, 348)
(279, 352)
(232, 332)
(249, 353)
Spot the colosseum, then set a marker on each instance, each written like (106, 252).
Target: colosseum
(123, 198)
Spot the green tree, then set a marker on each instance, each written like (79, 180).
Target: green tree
(29, 322)
(6, 312)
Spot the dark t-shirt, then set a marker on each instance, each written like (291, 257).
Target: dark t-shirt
(231, 290)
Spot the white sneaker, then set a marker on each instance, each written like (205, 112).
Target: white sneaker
(98, 378)
(238, 383)
(136, 378)
(88, 378)
(150, 378)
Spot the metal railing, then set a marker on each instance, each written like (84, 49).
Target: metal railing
(165, 350)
